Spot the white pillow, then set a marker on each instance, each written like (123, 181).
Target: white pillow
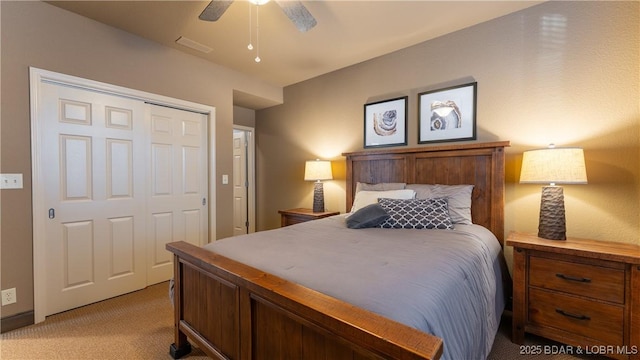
(364, 198)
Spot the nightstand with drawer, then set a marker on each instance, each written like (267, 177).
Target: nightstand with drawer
(579, 292)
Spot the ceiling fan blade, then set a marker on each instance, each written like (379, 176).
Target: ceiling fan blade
(214, 10)
(299, 14)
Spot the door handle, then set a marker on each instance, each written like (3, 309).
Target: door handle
(52, 213)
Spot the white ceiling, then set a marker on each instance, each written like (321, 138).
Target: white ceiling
(348, 32)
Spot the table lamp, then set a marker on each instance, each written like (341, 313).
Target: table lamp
(318, 170)
(553, 166)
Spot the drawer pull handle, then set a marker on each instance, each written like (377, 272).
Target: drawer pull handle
(568, 314)
(573, 278)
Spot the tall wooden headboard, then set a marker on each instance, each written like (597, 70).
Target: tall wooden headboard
(478, 164)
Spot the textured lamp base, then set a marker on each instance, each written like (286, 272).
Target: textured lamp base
(318, 197)
(552, 223)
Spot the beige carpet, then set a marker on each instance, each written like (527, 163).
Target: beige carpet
(139, 326)
(133, 326)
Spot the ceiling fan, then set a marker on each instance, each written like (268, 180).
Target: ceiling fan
(295, 10)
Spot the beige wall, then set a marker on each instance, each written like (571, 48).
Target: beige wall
(244, 117)
(43, 36)
(561, 72)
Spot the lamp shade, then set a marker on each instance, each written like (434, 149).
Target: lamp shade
(554, 166)
(317, 170)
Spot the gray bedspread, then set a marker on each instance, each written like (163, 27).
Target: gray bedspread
(443, 282)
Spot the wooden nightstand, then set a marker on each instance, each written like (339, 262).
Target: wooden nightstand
(295, 216)
(579, 292)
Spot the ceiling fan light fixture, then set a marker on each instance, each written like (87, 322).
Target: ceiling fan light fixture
(294, 9)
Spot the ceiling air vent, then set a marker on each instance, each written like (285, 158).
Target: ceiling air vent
(193, 45)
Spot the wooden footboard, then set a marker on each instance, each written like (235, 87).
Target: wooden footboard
(233, 311)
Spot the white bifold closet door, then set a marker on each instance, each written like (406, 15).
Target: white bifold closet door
(122, 178)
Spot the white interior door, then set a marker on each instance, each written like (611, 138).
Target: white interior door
(240, 184)
(93, 164)
(177, 201)
(244, 180)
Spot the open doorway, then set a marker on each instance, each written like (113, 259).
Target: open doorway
(243, 180)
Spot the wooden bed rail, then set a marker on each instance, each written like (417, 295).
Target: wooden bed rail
(234, 311)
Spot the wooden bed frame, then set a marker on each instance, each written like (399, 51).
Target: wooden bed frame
(233, 311)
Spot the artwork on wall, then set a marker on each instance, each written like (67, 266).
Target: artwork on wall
(447, 114)
(385, 123)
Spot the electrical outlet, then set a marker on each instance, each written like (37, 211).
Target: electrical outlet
(8, 296)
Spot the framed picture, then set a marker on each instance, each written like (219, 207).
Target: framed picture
(447, 114)
(385, 123)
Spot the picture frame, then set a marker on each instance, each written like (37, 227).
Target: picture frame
(385, 123)
(447, 114)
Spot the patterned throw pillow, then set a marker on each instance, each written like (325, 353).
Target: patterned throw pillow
(416, 213)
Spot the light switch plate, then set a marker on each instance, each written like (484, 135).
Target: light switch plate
(10, 181)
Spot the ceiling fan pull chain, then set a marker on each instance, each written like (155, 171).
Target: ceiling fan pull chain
(250, 46)
(257, 59)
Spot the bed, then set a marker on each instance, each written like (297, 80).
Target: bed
(231, 307)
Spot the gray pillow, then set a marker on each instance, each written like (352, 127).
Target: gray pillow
(379, 186)
(458, 197)
(369, 216)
